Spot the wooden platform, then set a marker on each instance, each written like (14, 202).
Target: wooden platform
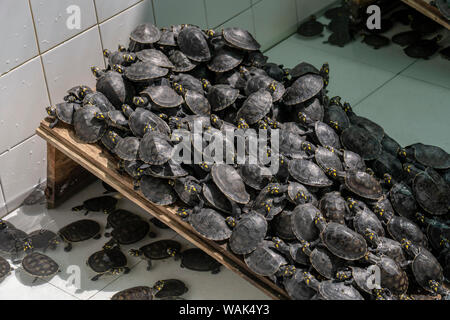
(430, 11)
(73, 164)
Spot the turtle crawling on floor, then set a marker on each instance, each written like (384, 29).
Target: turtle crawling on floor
(311, 28)
(39, 266)
(78, 231)
(43, 239)
(110, 260)
(5, 268)
(157, 250)
(106, 204)
(197, 260)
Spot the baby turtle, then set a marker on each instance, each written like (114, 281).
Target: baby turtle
(303, 222)
(427, 155)
(336, 117)
(241, 39)
(127, 148)
(303, 89)
(270, 201)
(89, 124)
(321, 133)
(119, 217)
(359, 182)
(145, 33)
(402, 198)
(142, 72)
(376, 41)
(423, 49)
(135, 293)
(78, 231)
(157, 191)
(361, 141)
(266, 261)
(14, 241)
(99, 100)
(334, 207)
(310, 28)
(364, 219)
(248, 232)
(39, 266)
(113, 86)
(299, 194)
(255, 175)
(308, 173)
(215, 198)
(225, 60)
(256, 106)
(62, 112)
(385, 246)
(157, 250)
(192, 42)
(130, 232)
(155, 57)
(197, 260)
(296, 287)
(170, 288)
(228, 180)
(256, 82)
(210, 224)
(163, 96)
(387, 163)
(220, 96)
(406, 38)
(44, 239)
(331, 290)
(109, 261)
(195, 100)
(105, 204)
(5, 268)
(181, 62)
(141, 120)
(119, 57)
(155, 148)
(325, 158)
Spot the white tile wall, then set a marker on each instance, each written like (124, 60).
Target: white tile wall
(54, 23)
(41, 58)
(17, 34)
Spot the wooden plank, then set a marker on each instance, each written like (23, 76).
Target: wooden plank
(104, 166)
(429, 10)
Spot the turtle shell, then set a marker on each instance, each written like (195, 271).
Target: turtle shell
(402, 228)
(299, 194)
(330, 290)
(169, 170)
(99, 100)
(127, 148)
(155, 148)
(87, 127)
(197, 260)
(163, 96)
(157, 191)
(155, 57)
(422, 49)
(113, 86)
(144, 72)
(104, 260)
(103, 203)
(145, 33)
(281, 226)
(262, 81)
(376, 130)
(390, 145)
(188, 82)
(255, 175)
(326, 136)
(192, 42)
(171, 288)
(327, 159)
(353, 161)
(241, 39)
(325, 262)
(361, 277)
(365, 219)
(264, 260)
(210, 224)
(302, 69)
(340, 38)
(121, 216)
(296, 287)
(39, 265)
(5, 268)
(264, 198)
(158, 250)
(141, 117)
(313, 110)
(80, 230)
(256, 107)
(343, 242)
(363, 184)
(221, 96)
(387, 163)
(135, 293)
(406, 38)
(65, 111)
(425, 268)
(42, 239)
(431, 192)
(335, 116)
(361, 141)
(197, 103)
(117, 119)
(308, 173)
(376, 40)
(334, 207)
(216, 198)
(430, 156)
(228, 180)
(181, 62)
(248, 234)
(291, 140)
(303, 89)
(390, 248)
(310, 28)
(225, 60)
(403, 200)
(393, 277)
(302, 221)
(131, 232)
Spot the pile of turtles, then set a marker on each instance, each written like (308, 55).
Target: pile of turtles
(421, 41)
(347, 199)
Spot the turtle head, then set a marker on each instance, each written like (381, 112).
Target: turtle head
(215, 119)
(305, 246)
(343, 275)
(325, 70)
(347, 107)
(183, 212)
(302, 195)
(274, 189)
(302, 117)
(335, 125)
(352, 203)
(96, 71)
(163, 116)
(288, 270)
(106, 53)
(173, 252)
(444, 242)
(319, 219)
(129, 58)
(267, 205)
(434, 285)
(380, 211)
(121, 48)
(206, 84)
(118, 68)
(139, 101)
(190, 186)
(84, 90)
(272, 87)
(134, 252)
(159, 285)
(388, 180)
(210, 33)
(109, 245)
(178, 87)
(2, 224)
(205, 166)
(332, 172)
(406, 244)
(231, 221)
(148, 128)
(336, 101)
(371, 236)
(306, 146)
(51, 111)
(404, 296)
(308, 277)
(402, 153)
(126, 109)
(262, 125)
(420, 217)
(99, 116)
(242, 124)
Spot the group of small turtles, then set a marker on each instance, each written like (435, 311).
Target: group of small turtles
(418, 42)
(346, 198)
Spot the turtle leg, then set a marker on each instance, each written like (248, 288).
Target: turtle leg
(149, 264)
(215, 270)
(126, 270)
(86, 213)
(35, 279)
(54, 123)
(95, 278)
(68, 247)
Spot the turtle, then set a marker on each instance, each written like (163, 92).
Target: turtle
(39, 266)
(119, 57)
(256, 106)
(197, 260)
(376, 40)
(426, 269)
(192, 42)
(129, 233)
(302, 222)
(142, 72)
(241, 39)
(145, 33)
(402, 198)
(170, 288)
(135, 293)
(361, 141)
(256, 59)
(224, 60)
(248, 233)
(296, 287)
(276, 71)
(196, 101)
(387, 163)
(303, 89)
(406, 38)
(334, 207)
(188, 82)
(299, 194)
(290, 143)
(170, 170)
(167, 38)
(105, 204)
(423, 49)
(155, 148)
(324, 157)
(127, 148)
(256, 82)
(331, 290)
(304, 68)
(43, 239)
(228, 180)
(438, 232)
(78, 93)
(5, 268)
(99, 100)
(390, 145)
(310, 28)
(426, 155)
(162, 96)
(119, 217)
(14, 241)
(157, 190)
(215, 198)
(364, 219)
(157, 250)
(155, 57)
(342, 241)
(89, 124)
(113, 86)
(281, 226)
(117, 119)
(78, 231)
(321, 133)
(266, 261)
(255, 175)
(141, 120)
(358, 182)
(308, 173)
(270, 201)
(385, 246)
(108, 261)
(336, 117)
(340, 38)
(63, 112)
(209, 223)
(181, 62)
(220, 96)
(375, 129)
(445, 53)
(444, 8)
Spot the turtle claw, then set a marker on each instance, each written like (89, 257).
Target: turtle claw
(68, 247)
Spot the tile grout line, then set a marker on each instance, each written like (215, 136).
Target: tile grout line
(206, 14)
(99, 31)
(153, 12)
(234, 16)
